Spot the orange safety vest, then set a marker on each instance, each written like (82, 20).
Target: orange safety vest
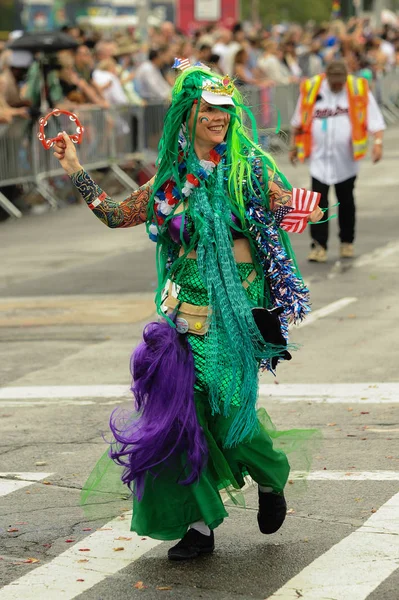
(357, 89)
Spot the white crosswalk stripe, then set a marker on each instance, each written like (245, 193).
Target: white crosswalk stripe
(333, 393)
(65, 577)
(11, 482)
(329, 393)
(355, 566)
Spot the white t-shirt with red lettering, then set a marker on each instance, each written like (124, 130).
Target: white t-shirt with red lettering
(331, 160)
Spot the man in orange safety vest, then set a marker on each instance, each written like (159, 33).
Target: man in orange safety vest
(333, 118)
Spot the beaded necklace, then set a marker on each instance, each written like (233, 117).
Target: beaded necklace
(168, 196)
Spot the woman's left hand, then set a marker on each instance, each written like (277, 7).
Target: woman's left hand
(316, 215)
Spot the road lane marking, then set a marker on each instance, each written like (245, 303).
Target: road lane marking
(35, 476)
(11, 482)
(355, 566)
(332, 393)
(65, 391)
(54, 402)
(382, 430)
(118, 391)
(347, 393)
(346, 475)
(325, 311)
(377, 257)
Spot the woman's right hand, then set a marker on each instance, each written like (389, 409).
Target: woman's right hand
(65, 151)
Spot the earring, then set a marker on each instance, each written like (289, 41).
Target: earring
(203, 119)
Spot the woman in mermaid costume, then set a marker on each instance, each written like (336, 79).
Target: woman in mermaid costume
(228, 285)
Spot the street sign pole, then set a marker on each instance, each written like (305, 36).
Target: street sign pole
(143, 14)
(357, 6)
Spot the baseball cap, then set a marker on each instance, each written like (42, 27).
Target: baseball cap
(215, 91)
(217, 99)
(218, 92)
(337, 67)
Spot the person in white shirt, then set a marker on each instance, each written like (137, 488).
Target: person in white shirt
(388, 50)
(149, 82)
(238, 41)
(105, 76)
(332, 152)
(271, 65)
(290, 58)
(221, 48)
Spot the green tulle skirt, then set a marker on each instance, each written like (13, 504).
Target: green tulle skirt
(167, 508)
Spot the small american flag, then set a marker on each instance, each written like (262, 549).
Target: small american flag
(302, 204)
(181, 64)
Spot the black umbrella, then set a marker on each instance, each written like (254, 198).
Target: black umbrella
(43, 41)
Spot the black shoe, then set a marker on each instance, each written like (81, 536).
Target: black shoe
(272, 511)
(192, 545)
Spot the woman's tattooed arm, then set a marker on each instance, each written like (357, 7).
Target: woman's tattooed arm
(128, 213)
(279, 193)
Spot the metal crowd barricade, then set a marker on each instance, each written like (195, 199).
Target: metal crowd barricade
(154, 116)
(94, 153)
(127, 140)
(115, 137)
(252, 98)
(388, 96)
(285, 98)
(273, 105)
(111, 138)
(15, 159)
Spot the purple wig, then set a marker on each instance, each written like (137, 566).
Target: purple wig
(165, 423)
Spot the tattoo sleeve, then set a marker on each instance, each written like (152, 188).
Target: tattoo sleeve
(279, 193)
(128, 213)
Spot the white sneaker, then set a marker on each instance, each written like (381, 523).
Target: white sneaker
(347, 250)
(317, 254)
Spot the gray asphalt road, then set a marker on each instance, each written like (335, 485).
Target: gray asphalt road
(73, 300)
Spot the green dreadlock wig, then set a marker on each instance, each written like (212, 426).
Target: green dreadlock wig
(216, 196)
(240, 144)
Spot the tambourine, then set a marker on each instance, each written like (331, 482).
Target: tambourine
(75, 137)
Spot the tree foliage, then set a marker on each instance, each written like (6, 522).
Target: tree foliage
(298, 11)
(7, 15)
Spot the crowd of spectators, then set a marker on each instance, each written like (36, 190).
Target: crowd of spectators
(117, 68)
